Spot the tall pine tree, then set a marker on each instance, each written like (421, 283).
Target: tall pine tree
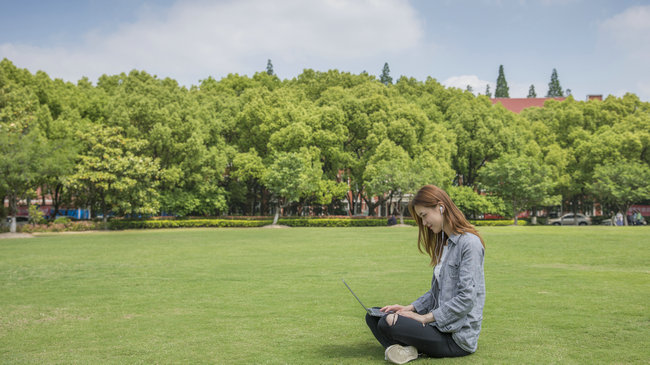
(269, 67)
(531, 92)
(554, 88)
(502, 85)
(385, 75)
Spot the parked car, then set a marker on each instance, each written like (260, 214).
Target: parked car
(569, 220)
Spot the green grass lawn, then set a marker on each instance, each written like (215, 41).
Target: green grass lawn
(566, 295)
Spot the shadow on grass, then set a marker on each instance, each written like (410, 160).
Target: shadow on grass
(365, 350)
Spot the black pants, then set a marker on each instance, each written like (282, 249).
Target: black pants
(409, 332)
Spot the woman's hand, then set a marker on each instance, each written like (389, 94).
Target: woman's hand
(396, 308)
(424, 319)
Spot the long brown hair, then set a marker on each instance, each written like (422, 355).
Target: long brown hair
(430, 196)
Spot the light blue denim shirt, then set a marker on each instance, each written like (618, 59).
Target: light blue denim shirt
(457, 299)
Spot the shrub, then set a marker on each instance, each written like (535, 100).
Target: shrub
(64, 224)
(35, 215)
(61, 220)
(497, 222)
(184, 223)
(229, 222)
(61, 227)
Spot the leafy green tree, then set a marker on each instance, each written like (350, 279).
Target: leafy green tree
(521, 180)
(111, 173)
(24, 152)
(327, 191)
(387, 172)
(184, 131)
(482, 134)
(385, 77)
(248, 169)
(472, 203)
(488, 93)
(291, 176)
(22, 158)
(554, 88)
(622, 184)
(502, 85)
(531, 92)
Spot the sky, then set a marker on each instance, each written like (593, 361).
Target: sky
(596, 46)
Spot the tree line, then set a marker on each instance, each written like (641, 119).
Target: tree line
(135, 144)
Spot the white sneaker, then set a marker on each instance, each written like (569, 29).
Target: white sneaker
(398, 354)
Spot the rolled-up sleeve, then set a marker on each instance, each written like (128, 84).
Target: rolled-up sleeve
(423, 303)
(450, 314)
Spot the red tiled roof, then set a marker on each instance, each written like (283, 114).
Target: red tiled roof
(518, 104)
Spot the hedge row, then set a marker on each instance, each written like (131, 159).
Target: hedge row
(498, 222)
(291, 222)
(118, 224)
(184, 223)
(66, 226)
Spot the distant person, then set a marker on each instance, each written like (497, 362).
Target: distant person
(630, 220)
(446, 320)
(638, 218)
(619, 219)
(392, 220)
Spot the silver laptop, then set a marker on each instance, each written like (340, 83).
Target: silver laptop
(372, 311)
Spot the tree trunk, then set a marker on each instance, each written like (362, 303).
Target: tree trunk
(277, 213)
(56, 200)
(351, 199)
(104, 214)
(401, 211)
(372, 206)
(253, 200)
(29, 204)
(12, 211)
(514, 210)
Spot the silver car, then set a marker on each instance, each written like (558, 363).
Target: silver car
(570, 220)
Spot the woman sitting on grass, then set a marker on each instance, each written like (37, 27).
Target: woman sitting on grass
(446, 320)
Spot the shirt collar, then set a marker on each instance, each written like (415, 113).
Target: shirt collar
(453, 238)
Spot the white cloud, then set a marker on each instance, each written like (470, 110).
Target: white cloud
(461, 82)
(515, 89)
(630, 32)
(195, 39)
